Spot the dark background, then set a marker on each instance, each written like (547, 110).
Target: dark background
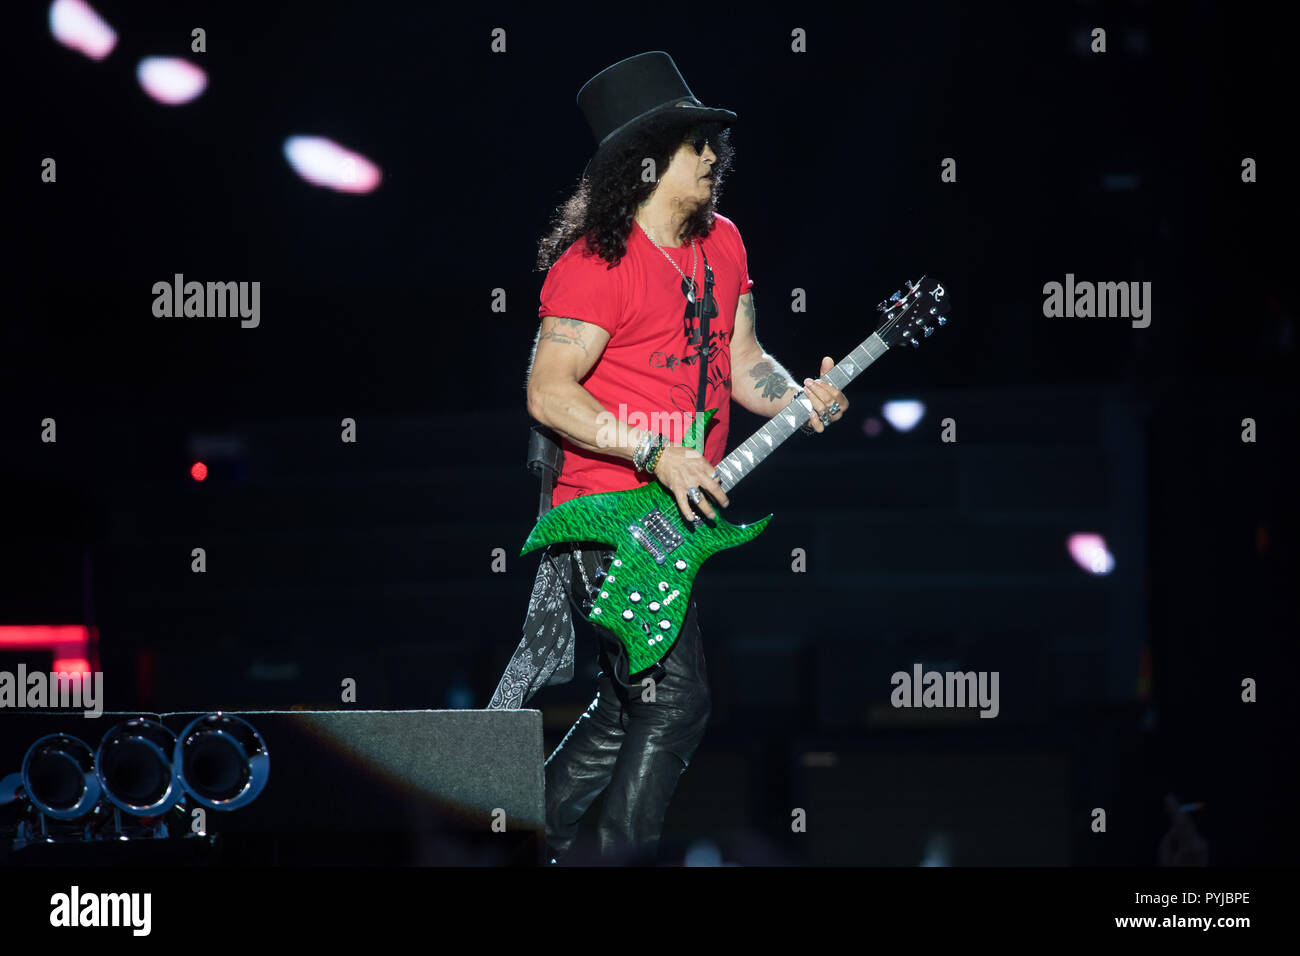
(374, 560)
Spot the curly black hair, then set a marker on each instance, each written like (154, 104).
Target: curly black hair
(603, 206)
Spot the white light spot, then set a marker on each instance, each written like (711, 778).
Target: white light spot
(903, 414)
(1090, 553)
(78, 27)
(323, 162)
(170, 80)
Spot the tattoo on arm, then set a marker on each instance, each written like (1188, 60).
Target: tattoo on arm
(564, 331)
(769, 382)
(748, 303)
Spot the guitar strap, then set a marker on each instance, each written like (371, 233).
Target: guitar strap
(702, 316)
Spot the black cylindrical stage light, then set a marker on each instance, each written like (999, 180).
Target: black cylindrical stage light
(222, 761)
(59, 777)
(134, 765)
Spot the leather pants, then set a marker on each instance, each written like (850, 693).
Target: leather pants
(632, 749)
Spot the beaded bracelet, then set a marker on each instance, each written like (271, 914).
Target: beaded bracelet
(642, 450)
(658, 453)
(645, 448)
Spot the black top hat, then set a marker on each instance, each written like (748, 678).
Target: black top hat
(635, 93)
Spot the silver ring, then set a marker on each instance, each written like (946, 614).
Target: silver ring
(825, 417)
(695, 495)
(834, 408)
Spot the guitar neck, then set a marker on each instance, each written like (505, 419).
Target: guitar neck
(786, 422)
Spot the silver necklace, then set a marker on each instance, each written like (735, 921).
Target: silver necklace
(690, 292)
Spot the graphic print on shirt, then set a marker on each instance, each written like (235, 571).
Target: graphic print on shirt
(683, 397)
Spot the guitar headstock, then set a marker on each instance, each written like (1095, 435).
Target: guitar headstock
(913, 312)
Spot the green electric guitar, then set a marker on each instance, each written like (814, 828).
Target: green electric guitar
(644, 596)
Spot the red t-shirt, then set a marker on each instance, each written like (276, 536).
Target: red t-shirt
(648, 374)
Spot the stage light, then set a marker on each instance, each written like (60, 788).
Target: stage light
(323, 162)
(222, 761)
(903, 414)
(71, 642)
(1090, 553)
(134, 767)
(59, 777)
(170, 80)
(198, 471)
(78, 27)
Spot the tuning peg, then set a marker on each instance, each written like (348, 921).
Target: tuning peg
(915, 343)
(928, 330)
(942, 320)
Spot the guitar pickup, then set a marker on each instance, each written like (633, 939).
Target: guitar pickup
(657, 524)
(657, 535)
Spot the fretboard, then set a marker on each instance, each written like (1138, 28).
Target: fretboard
(746, 457)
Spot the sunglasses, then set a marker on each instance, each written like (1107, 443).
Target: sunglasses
(699, 138)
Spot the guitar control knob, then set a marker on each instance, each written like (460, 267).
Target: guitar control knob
(595, 610)
(653, 605)
(635, 596)
(618, 562)
(665, 624)
(627, 615)
(663, 585)
(679, 564)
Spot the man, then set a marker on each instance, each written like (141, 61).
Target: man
(637, 259)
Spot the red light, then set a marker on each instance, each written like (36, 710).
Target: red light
(44, 636)
(198, 471)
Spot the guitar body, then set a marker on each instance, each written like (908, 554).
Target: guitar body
(657, 554)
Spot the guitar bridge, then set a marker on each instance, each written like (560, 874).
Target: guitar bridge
(643, 539)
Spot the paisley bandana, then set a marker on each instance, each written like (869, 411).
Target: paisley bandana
(545, 652)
